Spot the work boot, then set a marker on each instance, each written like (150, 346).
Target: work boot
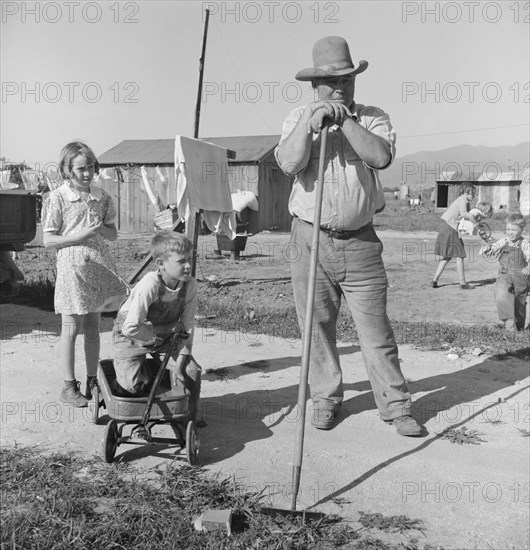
(407, 426)
(324, 415)
(72, 395)
(91, 381)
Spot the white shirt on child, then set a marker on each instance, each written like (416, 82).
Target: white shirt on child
(467, 227)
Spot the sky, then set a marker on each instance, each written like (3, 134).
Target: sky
(447, 73)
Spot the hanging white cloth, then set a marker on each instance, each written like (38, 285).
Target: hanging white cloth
(201, 173)
(160, 175)
(148, 189)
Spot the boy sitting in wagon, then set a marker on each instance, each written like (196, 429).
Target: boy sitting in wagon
(163, 302)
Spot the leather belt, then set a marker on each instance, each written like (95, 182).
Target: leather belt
(340, 233)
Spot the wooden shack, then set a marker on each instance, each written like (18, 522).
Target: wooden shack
(501, 189)
(254, 168)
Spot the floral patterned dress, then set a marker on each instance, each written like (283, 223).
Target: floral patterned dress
(87, 278)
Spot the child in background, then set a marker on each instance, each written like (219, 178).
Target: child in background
(448, 242)
(512, 285)
(481, 211)
(163, 301)
(77, 219)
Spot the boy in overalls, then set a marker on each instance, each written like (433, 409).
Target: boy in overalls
(511, 288)
(163, 302)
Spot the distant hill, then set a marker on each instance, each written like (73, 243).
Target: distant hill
(422, 168)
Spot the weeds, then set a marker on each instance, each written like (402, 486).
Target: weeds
(61, 501)
(390, 524)
(38, 292)
(463, 436)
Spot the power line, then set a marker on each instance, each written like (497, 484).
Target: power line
(238, 73)
(464, 131)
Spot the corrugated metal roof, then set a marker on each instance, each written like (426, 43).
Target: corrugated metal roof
(161, 151)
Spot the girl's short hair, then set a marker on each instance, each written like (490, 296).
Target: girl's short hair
(72, 150)
(466, 188)
(485, 208)
(516, 218)
(167, 241)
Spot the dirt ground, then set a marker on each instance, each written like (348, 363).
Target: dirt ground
(467, 496)
(262, 274)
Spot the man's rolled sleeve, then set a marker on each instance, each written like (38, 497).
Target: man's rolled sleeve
(288, 126)
(377, 122)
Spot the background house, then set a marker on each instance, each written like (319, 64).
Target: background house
(501, 189)
(254, 168)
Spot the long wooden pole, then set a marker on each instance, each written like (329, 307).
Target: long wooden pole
(193, 227)
(197, 220)
(308, 324)
(201, 73)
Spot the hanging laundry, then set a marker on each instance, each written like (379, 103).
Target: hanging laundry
(147, 184)
(104, 174)
(201, 173)
(160, 175)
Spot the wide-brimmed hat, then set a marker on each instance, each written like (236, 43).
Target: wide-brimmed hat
(331, 57)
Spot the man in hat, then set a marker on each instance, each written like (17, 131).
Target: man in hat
(360, 142)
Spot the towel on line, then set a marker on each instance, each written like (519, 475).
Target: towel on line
(201, 173)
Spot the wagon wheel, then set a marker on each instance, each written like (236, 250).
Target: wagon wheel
(94, 412)
(110, 441)
(484, 231)
(192, 443)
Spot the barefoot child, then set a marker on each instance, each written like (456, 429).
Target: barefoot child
(449, 244)
(164, 301)
(77, 219)
(512, 285)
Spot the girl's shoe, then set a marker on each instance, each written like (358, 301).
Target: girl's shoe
(464, 286)
(72, 395)
(91, 382)
(434, 284)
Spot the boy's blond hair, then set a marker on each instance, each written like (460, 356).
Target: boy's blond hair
(165, 242)
(516, 218)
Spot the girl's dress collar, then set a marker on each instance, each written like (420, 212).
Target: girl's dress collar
(70, 194)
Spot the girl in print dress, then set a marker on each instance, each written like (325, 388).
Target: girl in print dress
(77, 220)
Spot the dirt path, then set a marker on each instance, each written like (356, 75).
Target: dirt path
(410, 263)
(467, 496)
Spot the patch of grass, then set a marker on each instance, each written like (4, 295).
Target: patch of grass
(463, 436)
(232, 316)
(390, 524)
(61, 501)
(37, 292)
(400, 217)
